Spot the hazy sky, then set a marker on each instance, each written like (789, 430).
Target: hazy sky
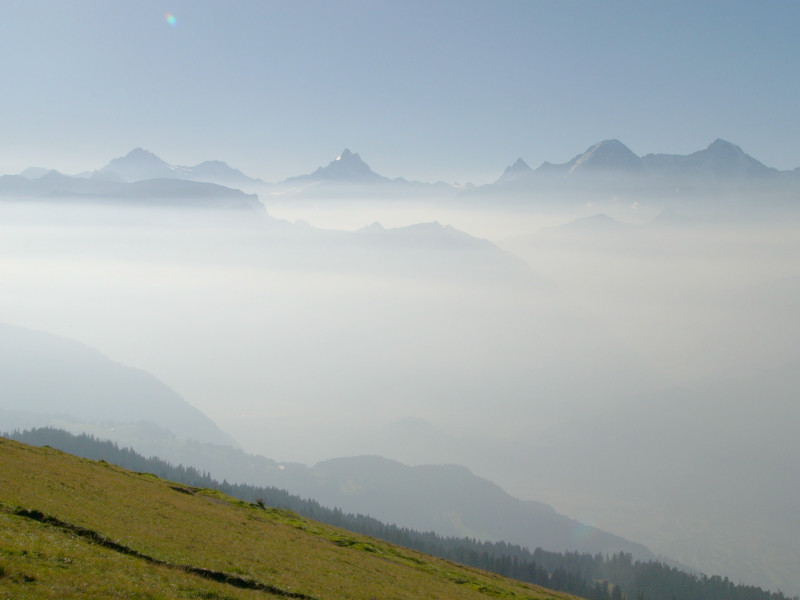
(454, 90)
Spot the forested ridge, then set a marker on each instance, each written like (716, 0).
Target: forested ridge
(596, 577)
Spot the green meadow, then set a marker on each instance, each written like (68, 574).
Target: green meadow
(76, 528)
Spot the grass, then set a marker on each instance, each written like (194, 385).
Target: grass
(71, 527)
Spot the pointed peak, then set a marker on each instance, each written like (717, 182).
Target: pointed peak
(516, 171)
(724, 158)
(720, 145)
(608, 154)
(519, 165)
(347, 155)
(348, 160)
(138, 164)
(345, 168)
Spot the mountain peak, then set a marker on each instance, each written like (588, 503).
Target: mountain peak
(607, 155)
(140, 153)
(724, 158)
(348, 167)
(719, 146)
(349, 162)
(347, 155)
(519, 165)
(611, 143)
(34, 172)
(136, 165)
(140, 164)
(516, 171)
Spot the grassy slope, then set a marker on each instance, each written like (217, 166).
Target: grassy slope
(103, 532)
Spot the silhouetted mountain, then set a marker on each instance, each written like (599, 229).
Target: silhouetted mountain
(345, 168)
(718, 180)
(137, 165)
(141, 164)
(612, 156)
(34, 172)
(429, 250)
(217, 171)
(46, 380)
(451, 500)
(608, 156)
(349, 177)
(516, 171)
(169, 192)
(719, 159)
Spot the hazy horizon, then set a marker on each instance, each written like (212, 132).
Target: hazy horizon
(451, 90)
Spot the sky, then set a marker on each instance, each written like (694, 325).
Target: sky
(446, 90)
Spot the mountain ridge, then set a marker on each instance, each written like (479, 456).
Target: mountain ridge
(720, 154)
(168, 192)
(140, 164)
(452, 501)
(43, 377)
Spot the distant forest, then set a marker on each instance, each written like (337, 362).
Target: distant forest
(595, 577)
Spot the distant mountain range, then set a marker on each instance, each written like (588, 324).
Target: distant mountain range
(604, 168)
(718, 162)
(609, 169)
(138, 178)
(140, 164)
(720, 158)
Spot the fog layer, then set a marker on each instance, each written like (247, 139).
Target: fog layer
(542, 361)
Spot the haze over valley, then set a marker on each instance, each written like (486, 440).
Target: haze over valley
(461, 288)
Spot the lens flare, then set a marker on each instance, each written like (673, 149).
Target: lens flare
(170, 19)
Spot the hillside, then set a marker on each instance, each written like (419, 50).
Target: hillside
(74, 527)
(49, 379)
(592, 576)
